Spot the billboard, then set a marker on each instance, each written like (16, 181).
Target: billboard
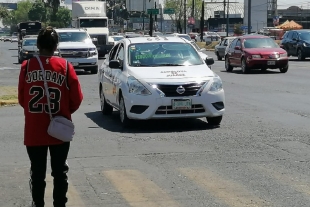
(258, 14)
(140, 5)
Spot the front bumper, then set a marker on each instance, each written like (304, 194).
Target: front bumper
(267, 63)
(86, 64)
(27, 56)
(154, 107)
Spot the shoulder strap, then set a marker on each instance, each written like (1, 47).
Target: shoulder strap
(46, 87)
(26, 71)
(67, 74)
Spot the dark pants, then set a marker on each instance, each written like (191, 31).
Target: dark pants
(38, 159)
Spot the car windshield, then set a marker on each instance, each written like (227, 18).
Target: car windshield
(117, 38)
(305, 36)
(30, 42)
(87, 23)
(260, 43)
(72, 36)
(163, 54)
(185, 37)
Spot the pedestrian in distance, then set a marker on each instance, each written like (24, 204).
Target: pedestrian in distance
(65, 97)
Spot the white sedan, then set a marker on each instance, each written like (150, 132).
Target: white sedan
(159, 78)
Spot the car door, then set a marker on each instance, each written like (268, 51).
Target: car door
(230, 52)
(238, 53)
(116, 73)
(106, 75)
(294, 43)
(222, 48)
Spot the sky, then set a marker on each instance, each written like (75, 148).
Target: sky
(283, 4)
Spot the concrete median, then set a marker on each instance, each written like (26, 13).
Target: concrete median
(8, 96)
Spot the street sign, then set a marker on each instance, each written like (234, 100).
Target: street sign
(153, 11)
(244, 27)
(169, 11)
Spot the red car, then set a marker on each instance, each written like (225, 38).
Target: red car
(255, 52)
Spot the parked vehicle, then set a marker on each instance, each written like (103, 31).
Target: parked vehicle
(208, 37)
(28, 48)
(255, 52)
(220, 49)
(297, 43)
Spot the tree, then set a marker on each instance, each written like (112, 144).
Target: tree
(62, 19)
(178, 16)
(19, 15)
(38, 12)
(237, 29)
(54, 5)
(3, 12)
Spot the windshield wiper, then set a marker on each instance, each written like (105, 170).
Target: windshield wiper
(168, 64)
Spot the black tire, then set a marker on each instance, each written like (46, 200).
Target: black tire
(263, 70)
(218, 56)
(106, 109)
(214, 120)
(300, 55)
(228, 67)
(244, 68)
(94, 70)
(122, 112)
(284, 70)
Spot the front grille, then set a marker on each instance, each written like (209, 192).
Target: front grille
(171, 90)
(74, 53)
(196, 108)
(101, 39)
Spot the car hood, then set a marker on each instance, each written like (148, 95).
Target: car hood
(75, 45)
(173, 73)
(30, 48)
(264, 51)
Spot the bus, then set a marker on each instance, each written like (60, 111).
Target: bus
(28, 28)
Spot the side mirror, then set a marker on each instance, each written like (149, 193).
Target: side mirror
(237, 48)
(114, 64)
(209, 61)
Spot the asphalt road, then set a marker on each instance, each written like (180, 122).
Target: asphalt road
(259, 156)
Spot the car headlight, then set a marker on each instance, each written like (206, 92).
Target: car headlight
(283, 55)
(199, 92)
(136, 87)
(92, 52)
(57, 53)
(25, 51)
(306, 45)
(256, 56)
(217, 84)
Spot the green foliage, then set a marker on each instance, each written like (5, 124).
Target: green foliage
(28, 10)
(54, 5)
(237, 29)
(3, 12)
(38, 12)
(178, 17)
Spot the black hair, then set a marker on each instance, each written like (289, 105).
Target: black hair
(48, 39)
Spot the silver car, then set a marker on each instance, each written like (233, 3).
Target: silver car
(220, 49)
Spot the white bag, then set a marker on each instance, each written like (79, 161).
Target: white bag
(60, 127)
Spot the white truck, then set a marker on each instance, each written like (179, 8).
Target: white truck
(91, 16)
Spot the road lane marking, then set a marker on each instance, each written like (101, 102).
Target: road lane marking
(74, 199)
(138, 190)
(229, 192)
(297, 182)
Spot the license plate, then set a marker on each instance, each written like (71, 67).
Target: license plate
(181, 104)
(271, 62)
(75, 64)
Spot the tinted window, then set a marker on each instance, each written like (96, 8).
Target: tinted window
(93, 23)
(113, 52)
(72, 36)
(29, 42)
(117, 38)
(295, 35)
(260, 43)
(162, 53)
(304, 36)
(120, 55)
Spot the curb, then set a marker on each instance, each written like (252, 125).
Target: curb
(8, 102)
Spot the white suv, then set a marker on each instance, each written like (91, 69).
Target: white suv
(158, 78)
(77, 47)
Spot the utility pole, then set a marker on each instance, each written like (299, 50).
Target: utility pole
(143, 15)
(249, 15)
(227, 19)
(202, 23)
(155, 17)
(185, 17)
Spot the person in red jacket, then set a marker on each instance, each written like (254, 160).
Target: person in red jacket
(65, 98)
